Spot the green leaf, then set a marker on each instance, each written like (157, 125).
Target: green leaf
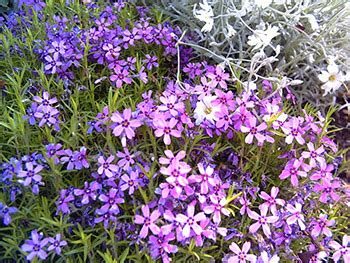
(124, 255)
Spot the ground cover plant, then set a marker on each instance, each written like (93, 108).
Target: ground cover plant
(119, 145)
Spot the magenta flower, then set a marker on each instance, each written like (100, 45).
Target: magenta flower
(271, 200)
(327, 188)
(120, 77)
(224, 119)
(63, 201)
(106, 167)
(174, 189)
(219, 77)
(171, 157)
(297, 216)
(314, 155)
(148, 221)
(176, 173)
(324, 172)
(35, 246)
(130, 182)
(56, 244)
(205, 178)
(124, 124)
(217, 208)
(293, 131)
(254, 131)
(262, 221)
(245, 202)
(241, 256)
(190, 220)
(341, 250)
(166, 128)
(292, 170)
(321, 226)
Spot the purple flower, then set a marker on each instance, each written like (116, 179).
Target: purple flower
(47, 115)
(262, 221)
(88, 193)
(327, 188)
(292, 170)
(271, 200)
(69, 158)
(254, 131)
(166, 128)
(57, 48)
(293, 131)
(341, 250)
(53, 151)
(125, 126)
(81, 159)
(159, 246)
(30, 174)
(111, 201)
(121, 76)
(130, 182)
(297, 216)
(324, 172)
(148, 221)
(106, 167)
(126, 159)
(321, 226)
(189, 221)
(35, 246)
(56, 244)
(52, 63)
(5, 213)
(219, 77)
(130, 37)
(31, 114)
(151, 61)
(63, 201)
(241, 255)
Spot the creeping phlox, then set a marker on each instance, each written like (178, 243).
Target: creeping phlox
(198, 164)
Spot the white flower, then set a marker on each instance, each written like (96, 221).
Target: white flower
(205, 110)
(263, 3)
(262, 38)
(205, 14)
(332, 78)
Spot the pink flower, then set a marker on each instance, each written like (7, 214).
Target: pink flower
(241, 256)
(147, 221)
(254, 131)
(124, 124)
(171, 157)
(219, 77)
(126, 159)
(205, 178)
(166, 128)
(262, 221)
(296, 216)
(271, 200)
(217, 207)
(171, 105)
(190, 220)
(324, 172)
(313, 154)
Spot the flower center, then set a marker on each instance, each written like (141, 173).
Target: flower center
(332, 78)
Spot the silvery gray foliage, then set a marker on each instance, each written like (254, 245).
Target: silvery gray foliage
(275, 38)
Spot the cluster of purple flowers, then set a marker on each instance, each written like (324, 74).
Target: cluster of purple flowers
(43, 110)
(38, 246)
(181, 175)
